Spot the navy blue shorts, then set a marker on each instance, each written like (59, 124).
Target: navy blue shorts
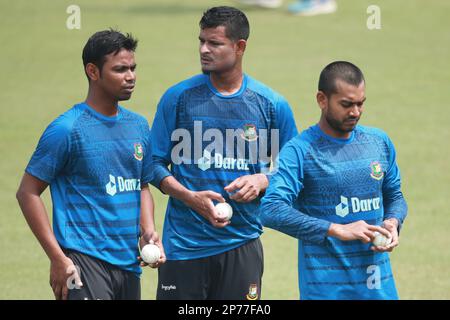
(232, 275)
(102, 281)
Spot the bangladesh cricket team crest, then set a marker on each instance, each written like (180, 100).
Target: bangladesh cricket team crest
(138, 151)
(377, 172)
(252, 292)
(249, 132)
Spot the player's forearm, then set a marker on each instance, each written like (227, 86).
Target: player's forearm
(36, 216)
(147, 219)
(335, 230)
(281, 216)
(396, 208)
(169, 185)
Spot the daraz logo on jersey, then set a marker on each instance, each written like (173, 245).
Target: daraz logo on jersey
(229, 149)
(221, 162)
(357, 205)
(121, 185)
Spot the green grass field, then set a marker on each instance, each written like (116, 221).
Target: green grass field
(407, 68)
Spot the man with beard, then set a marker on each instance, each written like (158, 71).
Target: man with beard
(337, 186)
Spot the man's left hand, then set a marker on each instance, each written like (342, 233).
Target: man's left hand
(249, 186)
(392, 226)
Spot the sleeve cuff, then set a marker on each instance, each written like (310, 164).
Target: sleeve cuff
(37, 175)
(159, 174)
(322, 234)
(396, 216)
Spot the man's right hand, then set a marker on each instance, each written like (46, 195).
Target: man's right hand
(60, 270)
(201, 202)
(358, 230)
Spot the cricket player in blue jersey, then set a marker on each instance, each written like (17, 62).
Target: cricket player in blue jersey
(96, 157)
(217, 131)
(337, 184)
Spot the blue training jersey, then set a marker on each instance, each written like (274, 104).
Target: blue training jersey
(323, 180)
(190, 127)
(95, 166)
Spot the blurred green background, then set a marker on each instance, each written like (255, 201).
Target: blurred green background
(406, 65)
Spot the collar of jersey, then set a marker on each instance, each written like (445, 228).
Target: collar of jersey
(236, 94)
(102, 116)
(337, 140)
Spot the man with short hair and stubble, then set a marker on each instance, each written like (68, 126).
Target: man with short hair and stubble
(96, 157)
(208, 256)
(337, 186)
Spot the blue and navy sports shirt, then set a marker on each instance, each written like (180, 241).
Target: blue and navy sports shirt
(323, 180)
(191, 115)
(95, 166)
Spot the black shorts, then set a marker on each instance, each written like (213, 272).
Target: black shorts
(101, 280)
(232, 275)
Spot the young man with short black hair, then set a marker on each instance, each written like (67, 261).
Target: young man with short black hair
(96, 157)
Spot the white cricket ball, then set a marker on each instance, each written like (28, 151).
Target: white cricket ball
(150, 253)
(381, 240)
(224, 210)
